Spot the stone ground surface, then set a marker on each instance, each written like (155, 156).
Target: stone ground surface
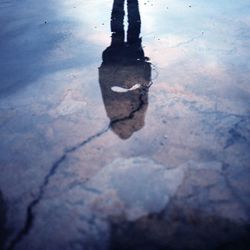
(180, 179)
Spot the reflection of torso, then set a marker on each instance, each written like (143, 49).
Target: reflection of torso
(120, 105)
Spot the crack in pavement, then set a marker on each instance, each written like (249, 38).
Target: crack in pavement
(188, 41)
(236, 135)
(30, 215)
(30, 209)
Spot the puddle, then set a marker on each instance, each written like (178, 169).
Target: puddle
(118, 118)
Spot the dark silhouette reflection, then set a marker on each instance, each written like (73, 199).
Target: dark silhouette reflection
(125, 73)
(179, 229)
(3, 231)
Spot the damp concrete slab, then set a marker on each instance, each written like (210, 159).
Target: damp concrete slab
(140, 146)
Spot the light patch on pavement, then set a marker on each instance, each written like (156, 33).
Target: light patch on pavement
(139, 186)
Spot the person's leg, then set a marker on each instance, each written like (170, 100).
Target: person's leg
(117, 22)
(134, 22)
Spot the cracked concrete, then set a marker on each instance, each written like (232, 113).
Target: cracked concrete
(30, 216)
(162, 166)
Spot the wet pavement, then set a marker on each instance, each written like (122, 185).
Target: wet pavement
(134, 137)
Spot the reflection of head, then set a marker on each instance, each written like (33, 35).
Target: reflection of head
(125, 73)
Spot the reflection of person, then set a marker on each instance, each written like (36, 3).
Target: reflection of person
(125, 73)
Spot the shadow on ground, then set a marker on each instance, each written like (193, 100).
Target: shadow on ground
(3, 231)
(178, 230)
